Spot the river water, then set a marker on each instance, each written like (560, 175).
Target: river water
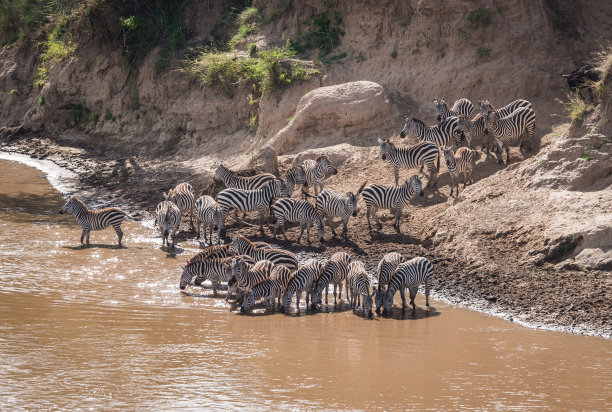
(105, 328)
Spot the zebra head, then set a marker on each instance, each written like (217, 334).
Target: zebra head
(317, 295)
(323, 163)
(415, 185)
(320, 230)
(367, 304)
(411, 128)
(449, 158)
(248, 302)
(219, 171)
(388, 301)
(441, 109)
(234, 247)
(378, 293)
(491, 119)
(239, 269)
(385, 147)
(484, 106)
(68, 206)
(351, 203)
(286, 301)
(217, 215)
(185, 277)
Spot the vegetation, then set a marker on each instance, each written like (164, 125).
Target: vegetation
(324, 33)
(57, 47)
(604, 66)
(575, 107)
(41, 100)
(482, 52)
(246, 24)
(481, 17)
(586, 155)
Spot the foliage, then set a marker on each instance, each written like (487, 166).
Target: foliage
(278, 11)
(108, 115)
(586, 155)
(41, 100)
(253, 124)
(481, 17)
(57, 47)
(252, 49)
(603, 61)
(394, 54)
(324, 32)
(569, 244)
(575, 107)
(482, 52)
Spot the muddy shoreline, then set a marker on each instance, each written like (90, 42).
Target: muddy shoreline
(136, 185)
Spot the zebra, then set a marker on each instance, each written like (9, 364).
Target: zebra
(359, 285)
(317, 171)
(90, 219)
(335, 271)
(216, 270)
(460, 107)
(385, 269)
(510, 129)
(409, 275)
(441, 134)
(232, 180)
(486, 107)
(295, 176)
(251, 200)
(211, 252)
(331, 203)
(460, 162)
(394, 198)
(303, 281)
(245, 275)
(473, 128)
(208, 214)
(267, 289)
(168, 218)
(295, 210)
(422, 154)
(242, 246)
(183, 196)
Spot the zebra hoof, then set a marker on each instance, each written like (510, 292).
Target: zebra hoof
(370, 315)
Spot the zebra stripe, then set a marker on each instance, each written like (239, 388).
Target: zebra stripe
(90, 219)
(211, 252)
(168, 218)
(359, 285)
(422, 154)
(245, 276)
(232, 180)
(251, 200)
(385, 269)
(460, 162)
(300, 211)
(486, 107)
(393, 198)
(335, 272)
(182, 196)
(215, 270)
(303, 281)
(317, 171)
(460, 107)
(267, 289)
(295, 176)
(208, 214)
(330, 204)
(242, 246)
(409, 275)
(510, 129)
(442, 134)
(473, 128)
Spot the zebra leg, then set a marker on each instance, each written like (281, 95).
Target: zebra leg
(191, 216)
(298, 296)
(374, 209)
(344, 228)
(499, 151)
(427, 289)
(87, 236)
(331, 226)
(308, 225)
(299, 239)
(413, 292)
(507, 153)
(215, 286)
(465, 179)
(261, 220)
(83, 235)
(119, 235)
(335, 294)
(398, 215)
(173, 236)
(396, 174)
(403, 295)
(368, 217)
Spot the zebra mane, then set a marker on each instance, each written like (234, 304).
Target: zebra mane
(320, 157)
(248, 242)
(477, 117)
(417, 120)
(79, 201)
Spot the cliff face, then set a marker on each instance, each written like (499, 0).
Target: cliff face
(415, 50)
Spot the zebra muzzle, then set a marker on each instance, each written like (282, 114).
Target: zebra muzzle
(439, 118)
(422, 193)
(384, 157)
(402, 135)
(61, 212)
(335, 172)
(355, 214)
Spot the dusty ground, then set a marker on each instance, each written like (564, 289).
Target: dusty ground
(499, 275)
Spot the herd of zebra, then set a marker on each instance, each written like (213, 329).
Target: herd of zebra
(256, 271)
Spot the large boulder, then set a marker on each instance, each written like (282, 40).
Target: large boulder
(344, 113)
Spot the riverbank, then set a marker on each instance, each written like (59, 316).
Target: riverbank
(542, 295)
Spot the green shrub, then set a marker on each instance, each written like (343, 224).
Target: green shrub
(95, 116)
(324, 31)
(394, 54)
(41, 100)
(481, 17)
(482, 52)
(108, 115)
(575, 107)
(252, 49)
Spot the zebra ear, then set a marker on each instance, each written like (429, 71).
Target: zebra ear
(165, 195)
(379, 141)
(435, 101)
(221, 163)
(442, 100)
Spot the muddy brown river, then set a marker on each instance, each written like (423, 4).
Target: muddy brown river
(105, 328)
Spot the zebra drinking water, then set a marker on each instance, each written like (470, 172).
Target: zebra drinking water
(460, 162)
(182, 196)
(422, 154)
(510, 129)
(208, 214)
(409, 275)
(245, 276)
(394, 198)
(442, 135)
(251, 200)
(242, 246)
(385, 269)
(216, 270)
(317, 171)
(90, 219)
(460, 107)
(359, 285)
(301, 211)
(267, 290)
(168, 218)
(303, 281)
(335, 272)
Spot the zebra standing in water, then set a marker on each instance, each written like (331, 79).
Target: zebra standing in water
(242, 246)
(183, 196)
(359, 285)
(331, 203)
(335, 272)
(245, 275)
(510, 129)
(473, 128)
(303, 281)
(216, 270)
(168, 218)
(460, 107)
(251, 200)
(208, 214)
(422, 154)
(460, 162)
(295, 210)
(442, 134)
(232, 180)
(267, 289)
(385, 269)
(90, 219)
(393, 198)
(409, 275)
(486, 107)
(295, 176)
(317, 171)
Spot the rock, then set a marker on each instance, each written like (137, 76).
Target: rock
(491, 299)
(264, 161)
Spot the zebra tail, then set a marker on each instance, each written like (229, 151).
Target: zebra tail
(438, 161)
(362, 186)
